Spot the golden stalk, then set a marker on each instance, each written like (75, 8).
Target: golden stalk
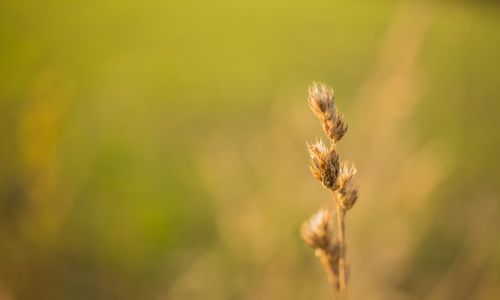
(338, 178)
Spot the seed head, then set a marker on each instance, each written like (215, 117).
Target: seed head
(318, 230)
(339, 129)
(322, 102)
(347, 191)
(324, 164)
(321, 99)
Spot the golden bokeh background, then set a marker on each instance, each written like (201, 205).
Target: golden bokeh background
(156, 149)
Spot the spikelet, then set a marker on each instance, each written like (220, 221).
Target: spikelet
(318, 230)
(347, 191)
(322, 102)
(321, 99)
(339, 128)
(324, 164)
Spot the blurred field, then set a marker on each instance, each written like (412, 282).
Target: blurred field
(156, 149)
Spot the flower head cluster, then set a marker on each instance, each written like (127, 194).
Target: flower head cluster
(325, 165)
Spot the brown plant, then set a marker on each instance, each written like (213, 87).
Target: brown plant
(338, 178)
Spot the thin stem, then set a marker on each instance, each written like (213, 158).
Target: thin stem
(342, 264)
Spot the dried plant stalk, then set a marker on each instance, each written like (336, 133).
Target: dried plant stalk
(338, 178)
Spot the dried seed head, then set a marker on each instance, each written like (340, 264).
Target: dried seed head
(347, 170)
(347, 191)
(324, 164)
(321, 100)
(339, 129)
(318, 230)
(318, 153)
(332, 170)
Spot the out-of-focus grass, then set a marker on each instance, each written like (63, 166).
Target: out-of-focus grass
(156, 150)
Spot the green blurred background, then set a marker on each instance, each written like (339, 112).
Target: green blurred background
(156, 149)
